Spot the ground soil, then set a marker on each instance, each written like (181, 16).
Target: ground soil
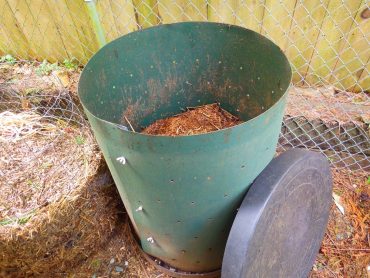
(197, 120)
(345, 251)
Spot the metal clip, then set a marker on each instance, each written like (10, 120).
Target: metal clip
(150, 239)
(139, 208)
(121, 160)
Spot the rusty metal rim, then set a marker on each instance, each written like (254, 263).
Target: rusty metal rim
(178, 273)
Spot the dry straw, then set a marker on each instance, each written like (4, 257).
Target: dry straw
(57, 202)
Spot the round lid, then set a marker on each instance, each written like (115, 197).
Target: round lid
(280, 225)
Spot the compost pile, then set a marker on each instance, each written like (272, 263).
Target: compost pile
(57, 202)
(196, 120)
(34, 176)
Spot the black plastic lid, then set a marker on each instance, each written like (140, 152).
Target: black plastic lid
(280, 225)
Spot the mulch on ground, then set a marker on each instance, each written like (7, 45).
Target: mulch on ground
(345, 251)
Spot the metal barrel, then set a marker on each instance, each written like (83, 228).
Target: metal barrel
(182, 193)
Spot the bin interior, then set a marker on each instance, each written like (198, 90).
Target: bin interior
(156, 72)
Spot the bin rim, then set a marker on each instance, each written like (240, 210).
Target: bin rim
(201, 135)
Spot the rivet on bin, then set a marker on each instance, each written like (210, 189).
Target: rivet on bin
(121, 160)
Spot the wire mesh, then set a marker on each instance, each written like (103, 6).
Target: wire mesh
(327, 42)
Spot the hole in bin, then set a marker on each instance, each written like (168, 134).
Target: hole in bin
(195, 237)
(172, 181)
(243, 166)
(183, 251)
(225, 195)
(158, 201)
(178, 221)
(193, 203)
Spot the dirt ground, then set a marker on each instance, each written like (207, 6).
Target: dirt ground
(345, 251)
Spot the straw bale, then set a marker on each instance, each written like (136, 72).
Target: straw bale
(57, 202)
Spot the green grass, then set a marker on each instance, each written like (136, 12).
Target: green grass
(21, 220)
(45, 68)
(71, 64)
(80, 140)
(8, 59)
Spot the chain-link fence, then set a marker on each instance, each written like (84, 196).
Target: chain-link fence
(326, 41)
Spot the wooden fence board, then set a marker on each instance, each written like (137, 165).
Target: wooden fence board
(277, 20)
(124, 16)
(354, 55)
(12, 39)
(222, 11)
(364, 80)
(326, 41)
(174, 11)
(66, 30)
(107, 19)
(249, 14)
(38, 26)
(81, 20)
(146, 12)
(308, 17)
(335, 28)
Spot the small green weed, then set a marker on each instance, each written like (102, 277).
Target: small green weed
(80, 140)
(95, 264)
(32, 91)
(45, 68)
(8, 59)
(19, 220)
(33, 184)
(368, 180)
(71, 64)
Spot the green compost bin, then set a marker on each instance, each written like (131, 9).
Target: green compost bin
(182, 193)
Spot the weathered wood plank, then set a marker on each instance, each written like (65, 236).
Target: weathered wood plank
(354, 54)
(81, 20)
(107, 19)
(124, 16)
(147, 12)
(36, 23)
(12, 40)
(222, 11)
(277, 20)
(249, 14)
(66, 30)
(182, 10)
(330, 42)
(308, 17)
(364, 80)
